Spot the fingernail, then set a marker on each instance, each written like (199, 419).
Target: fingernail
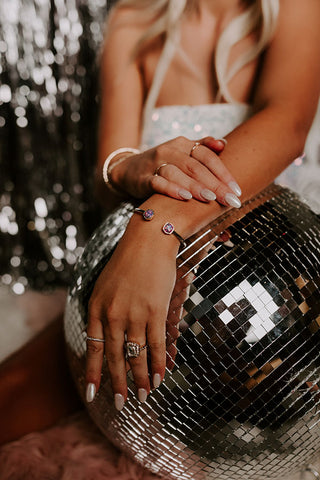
(156, 380)
(118, 401)
(90, 392)
(185, 194)
(232, 200)
(223, 140)
(235, 188)
(208, 195)
(142, 395)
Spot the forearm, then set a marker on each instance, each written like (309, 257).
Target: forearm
(256, 153)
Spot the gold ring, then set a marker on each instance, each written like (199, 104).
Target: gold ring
(156, 172)
(196, 144)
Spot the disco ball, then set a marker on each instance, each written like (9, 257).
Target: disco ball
(240, 398)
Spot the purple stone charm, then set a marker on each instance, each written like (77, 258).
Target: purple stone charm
(168, 228)
(148, 214)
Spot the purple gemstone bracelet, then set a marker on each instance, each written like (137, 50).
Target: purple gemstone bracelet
(168, 227)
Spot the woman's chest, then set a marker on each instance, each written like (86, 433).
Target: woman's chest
(191, 77)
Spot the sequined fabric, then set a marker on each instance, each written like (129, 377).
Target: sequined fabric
(240, 399)
(193, 121)
(48, 113)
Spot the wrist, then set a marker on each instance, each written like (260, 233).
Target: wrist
(150, 233)
(115, 159)
(187, 217)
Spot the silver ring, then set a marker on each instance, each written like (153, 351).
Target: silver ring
(156, 172)
(196, 144)
(133, 349)
(96, 339)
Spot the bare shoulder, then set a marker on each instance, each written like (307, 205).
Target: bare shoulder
(291, 66)
(301, 13)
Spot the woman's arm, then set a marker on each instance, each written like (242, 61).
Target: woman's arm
(122, 97)
(285, 103)
(133, 293)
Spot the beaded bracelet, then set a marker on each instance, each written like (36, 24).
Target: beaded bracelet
(167, 228)
(106, 170)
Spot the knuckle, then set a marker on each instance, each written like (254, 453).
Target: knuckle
(161, 152)
(153, 182)
(191, 168)
(112, 314)
(94, 348)
(182, 139)
(94, 309)
(112, 358)
(154, 310)
(157, 345)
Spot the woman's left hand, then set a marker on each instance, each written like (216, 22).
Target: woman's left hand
(130, 301)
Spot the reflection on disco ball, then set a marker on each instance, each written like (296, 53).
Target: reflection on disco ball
(240, 399)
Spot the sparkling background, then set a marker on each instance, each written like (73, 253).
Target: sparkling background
(48, 120)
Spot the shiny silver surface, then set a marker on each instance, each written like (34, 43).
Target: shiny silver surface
(240, 399)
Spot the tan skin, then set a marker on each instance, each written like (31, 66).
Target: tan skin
(128, 298)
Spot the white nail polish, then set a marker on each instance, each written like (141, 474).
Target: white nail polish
(208, 195)
(118, 401)
(142, 395)
(223, 140)
(90, 392)
(156, 380)
(232, 200)
(235, 188)
(185, 194)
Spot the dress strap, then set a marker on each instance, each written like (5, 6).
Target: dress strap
(176, 7)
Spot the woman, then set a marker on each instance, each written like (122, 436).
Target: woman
(197, 54)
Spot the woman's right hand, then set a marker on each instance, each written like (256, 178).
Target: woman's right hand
(181, 169)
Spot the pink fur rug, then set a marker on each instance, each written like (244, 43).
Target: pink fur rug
(72, 450)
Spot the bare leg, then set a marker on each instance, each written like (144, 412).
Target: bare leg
(36, 388)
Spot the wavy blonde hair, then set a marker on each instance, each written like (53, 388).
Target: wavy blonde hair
(164, 17)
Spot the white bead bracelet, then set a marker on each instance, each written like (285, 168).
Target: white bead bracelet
(106, 170)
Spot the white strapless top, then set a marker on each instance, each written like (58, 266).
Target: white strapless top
(193, 122)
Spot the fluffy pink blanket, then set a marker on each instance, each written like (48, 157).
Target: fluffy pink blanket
(72, 450)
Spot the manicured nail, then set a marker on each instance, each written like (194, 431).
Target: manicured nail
(118, 401)
(235, 188)
(223, 140)
(90, 392)
(142, 395)
(185, 194)
(232, 200)
(208, 195)
(156, 380)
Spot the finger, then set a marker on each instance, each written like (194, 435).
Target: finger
(115, 358)
(223, 183)
(208, 142)
(139, 366)
(184, 179)
(160, 184)
(213, 163)
(156, 333)
(94, 356)
(217, 145)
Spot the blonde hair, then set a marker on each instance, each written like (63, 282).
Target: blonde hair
(165, 15)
